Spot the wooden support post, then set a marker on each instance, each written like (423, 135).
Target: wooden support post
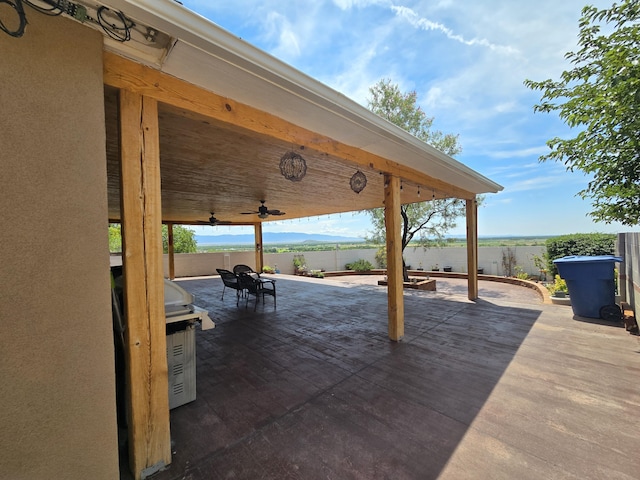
(392, 221)
(172, 264)
(257, 230)
(472, 248)
(145, 350)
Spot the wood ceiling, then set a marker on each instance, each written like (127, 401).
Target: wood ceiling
(208, 165)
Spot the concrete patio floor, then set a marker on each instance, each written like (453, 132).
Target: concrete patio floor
(502, 388)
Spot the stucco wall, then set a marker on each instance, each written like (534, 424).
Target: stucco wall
(57, 390)
(489, 258)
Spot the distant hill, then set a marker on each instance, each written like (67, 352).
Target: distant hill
(274, 237)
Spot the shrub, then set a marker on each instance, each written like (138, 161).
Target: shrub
(268, 269)
(299, 264)
(520, 273)
(579, 244)
(558, 286)
(381, 257)
(359, 266)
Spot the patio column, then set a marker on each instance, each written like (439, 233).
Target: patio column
(145, 336)
(257, 230)
(172, 264)
(392, 220)
(472, 248)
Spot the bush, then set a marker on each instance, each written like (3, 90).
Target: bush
(299, 264)
(520, 273)
(381, 257)
(268, 269)
(359, 266)
(558, 286)
(579, 244)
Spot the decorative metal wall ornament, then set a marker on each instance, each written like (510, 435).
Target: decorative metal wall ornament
(358, 181)
(293, 167)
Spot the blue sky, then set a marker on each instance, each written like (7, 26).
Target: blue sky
(467, 61)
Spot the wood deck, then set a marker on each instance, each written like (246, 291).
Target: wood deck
(502, 388)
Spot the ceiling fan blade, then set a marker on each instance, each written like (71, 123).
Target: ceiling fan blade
(249, 213)
(275, 212)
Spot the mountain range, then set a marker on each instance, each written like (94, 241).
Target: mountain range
(273, 237)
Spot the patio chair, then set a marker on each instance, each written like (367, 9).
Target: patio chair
(244, 268)
(258, 287)
(230, 280)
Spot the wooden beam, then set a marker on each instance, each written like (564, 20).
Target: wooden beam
(257, 229)
(472, 248)
(146, 356)
(122, 73)
(395, 293)
(172, 263)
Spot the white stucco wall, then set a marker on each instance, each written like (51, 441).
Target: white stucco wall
(57, 380)
(489, 258)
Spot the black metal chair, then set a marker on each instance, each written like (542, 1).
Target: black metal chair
(230, 280)
(244, 269)
(258, 287)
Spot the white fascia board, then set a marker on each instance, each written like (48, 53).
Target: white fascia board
(318, 104)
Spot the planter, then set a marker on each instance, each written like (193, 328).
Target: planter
(447, 269)
(481, 270)
(556, 300)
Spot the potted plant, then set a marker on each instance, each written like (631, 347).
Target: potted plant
(447, 268)
(299, 265)
(558, 288)
(435, 268)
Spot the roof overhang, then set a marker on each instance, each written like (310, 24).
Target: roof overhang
(192, 49)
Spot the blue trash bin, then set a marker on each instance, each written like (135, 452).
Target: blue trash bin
(591, 284)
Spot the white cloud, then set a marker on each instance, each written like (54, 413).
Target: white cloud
(287, 41)
(425, 24)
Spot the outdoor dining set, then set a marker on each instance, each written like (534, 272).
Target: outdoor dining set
(246, 282)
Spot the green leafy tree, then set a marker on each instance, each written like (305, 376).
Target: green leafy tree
(426, 222)
(402, 110)
(600, 96)
(184, 240)
(115, 238)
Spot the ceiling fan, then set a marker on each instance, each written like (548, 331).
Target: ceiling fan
(263, 211)
(213, 221)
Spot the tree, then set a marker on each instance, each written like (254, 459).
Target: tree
(426, 222)
(183, 239)
(402, 110)
(600, 95)
(115, 238)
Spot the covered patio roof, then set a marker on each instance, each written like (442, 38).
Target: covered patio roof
(228, 112)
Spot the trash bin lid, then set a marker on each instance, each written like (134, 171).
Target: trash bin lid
(587, 259)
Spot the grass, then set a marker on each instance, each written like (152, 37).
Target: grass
(324, 246)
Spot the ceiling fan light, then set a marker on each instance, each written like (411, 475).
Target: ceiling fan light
(263, 215)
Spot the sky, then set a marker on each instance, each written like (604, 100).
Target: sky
(467, 61)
